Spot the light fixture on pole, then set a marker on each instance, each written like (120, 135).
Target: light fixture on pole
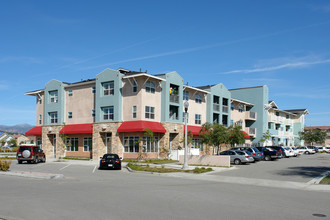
(185, 163)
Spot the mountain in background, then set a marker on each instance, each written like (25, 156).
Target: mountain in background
(16, 129)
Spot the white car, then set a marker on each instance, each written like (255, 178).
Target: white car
(289, 152)
(327, 149)
(297, 152)
(321, 149)
(307, 150)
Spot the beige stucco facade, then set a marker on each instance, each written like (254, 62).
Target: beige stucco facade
(196, 108)
(40, 99)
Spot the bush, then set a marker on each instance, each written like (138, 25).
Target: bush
(4, 165)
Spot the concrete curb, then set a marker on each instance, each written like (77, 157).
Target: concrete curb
(33, 175)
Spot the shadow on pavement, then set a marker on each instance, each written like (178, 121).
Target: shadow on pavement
(304, 171)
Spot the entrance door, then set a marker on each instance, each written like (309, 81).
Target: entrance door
(108, 143)
(52, 140)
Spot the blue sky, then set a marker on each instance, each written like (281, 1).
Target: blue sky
(282, 44)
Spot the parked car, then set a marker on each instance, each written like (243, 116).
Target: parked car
(297, 151)
(257, 155)
(321, 149)
(30, 154)
(110, 161)
(238, 157)
(307, 150)
(289, 152)
(280, 149)
(313, 147)
(269, 154)
(327, 149)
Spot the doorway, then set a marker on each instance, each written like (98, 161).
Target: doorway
(108, 143)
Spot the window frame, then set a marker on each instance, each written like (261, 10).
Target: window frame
(198, 119)
(134, 111)
(128, 148)
(53, 117)
(110, 114)
(150, 87)
(185, 95)
(198, 98)
(87, 147)
(149, 112)
(108, 88)
(150, 146)
(74, 141)
(69, 115)
(134, 86)
(53, 96)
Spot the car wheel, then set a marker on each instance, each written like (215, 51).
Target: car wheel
(237, 161)
(36, 160)
(44, 159)
(20, 162)
(267, 158)
(306, 152)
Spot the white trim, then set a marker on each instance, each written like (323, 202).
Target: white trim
(246, 103)
(144, 74)
(193, 88)
(34, 92)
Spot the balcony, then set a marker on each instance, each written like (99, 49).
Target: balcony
(289, 122)
(216, 107)
(225, 109)
(251, 131)
(250, 115)
(174, 98)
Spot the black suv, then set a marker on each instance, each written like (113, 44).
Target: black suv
(30, 154)
(280, 149)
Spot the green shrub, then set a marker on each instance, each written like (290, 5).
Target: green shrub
(4, 165)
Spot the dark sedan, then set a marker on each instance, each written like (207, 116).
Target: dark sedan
(110, 161)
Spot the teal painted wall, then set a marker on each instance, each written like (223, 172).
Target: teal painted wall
(110, 100)
(259, 97)
(176, 79)
(221, 91)
(54, 107)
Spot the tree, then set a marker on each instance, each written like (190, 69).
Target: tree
(313, 136)
(12, 142)
(265, 137)
(236, 135)
(214, 135)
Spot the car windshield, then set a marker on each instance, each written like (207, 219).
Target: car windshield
(21, 149)
(109, 156)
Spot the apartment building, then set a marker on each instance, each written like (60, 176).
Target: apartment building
(283, 125)
(109, 114)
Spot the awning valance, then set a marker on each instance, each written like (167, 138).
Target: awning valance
(37, 130)
(77, 129)
(194, 129)
(139, 126)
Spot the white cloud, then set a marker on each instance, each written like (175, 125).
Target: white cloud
(20, 59)
(299, 64)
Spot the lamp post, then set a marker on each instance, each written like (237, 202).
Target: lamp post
(185, 163)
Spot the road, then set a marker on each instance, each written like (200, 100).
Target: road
(86, 193)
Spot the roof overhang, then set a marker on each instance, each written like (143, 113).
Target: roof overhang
(196, 89)
(37, 130)
(240, 101)
(34, 93)
(144, 74)
(140, 126)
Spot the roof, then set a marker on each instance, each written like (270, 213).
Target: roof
(37, 130)
(195, 88)
(246, 103)
(140, 126)
(298, 111)
(77, 129)
(254, 87)
(317, 127)
(205, 87)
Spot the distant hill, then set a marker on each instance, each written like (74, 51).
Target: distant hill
(16, 129)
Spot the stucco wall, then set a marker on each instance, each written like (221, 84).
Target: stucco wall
(207, 160)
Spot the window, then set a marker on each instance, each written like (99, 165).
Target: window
(232, 106)
(277, 113)
(53, 96)
(198, 119)
(70, 92)
(39, 100)
(198, 98)
(197, 143)
(150, 87)
(240, 107)
(93, 112)
(93, 89)
(40, 119)
(71, 144)
(108, 88)
(287, 116)
(131, 144)
(150, 112)
(88, 143)
(134, 111)
(53, 117)
(69, 114)
(186, 96)
(134, 86)
(150, 145)
(108, 113)
(269, 125)
(39, 142)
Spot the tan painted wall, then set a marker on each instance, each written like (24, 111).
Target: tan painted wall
(81, 104)
(207, 160)
(40, 109)
(236, 116)
(140, 99)
(196, 108)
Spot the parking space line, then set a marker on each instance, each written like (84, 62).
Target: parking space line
(94, 168)
(65, 166)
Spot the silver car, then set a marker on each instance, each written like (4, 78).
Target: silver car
(238, 157)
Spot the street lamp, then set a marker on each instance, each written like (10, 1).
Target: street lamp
(185, 163)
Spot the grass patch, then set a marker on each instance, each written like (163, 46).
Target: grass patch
(154, 161)
(325, 180)
(162, 169)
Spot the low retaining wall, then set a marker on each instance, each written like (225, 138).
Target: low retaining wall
(210, 160)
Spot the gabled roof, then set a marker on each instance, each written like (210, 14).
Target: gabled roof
(298, 111)
(254, 87)
(240, 101)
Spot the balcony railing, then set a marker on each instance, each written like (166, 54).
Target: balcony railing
(174, 117)
(216, 107)
(225, 109)
(251, 115)
(174, 98)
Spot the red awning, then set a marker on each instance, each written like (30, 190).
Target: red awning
(246, 136)
(194, 129)
(77, 129)
(37, 130)
(139, 126)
